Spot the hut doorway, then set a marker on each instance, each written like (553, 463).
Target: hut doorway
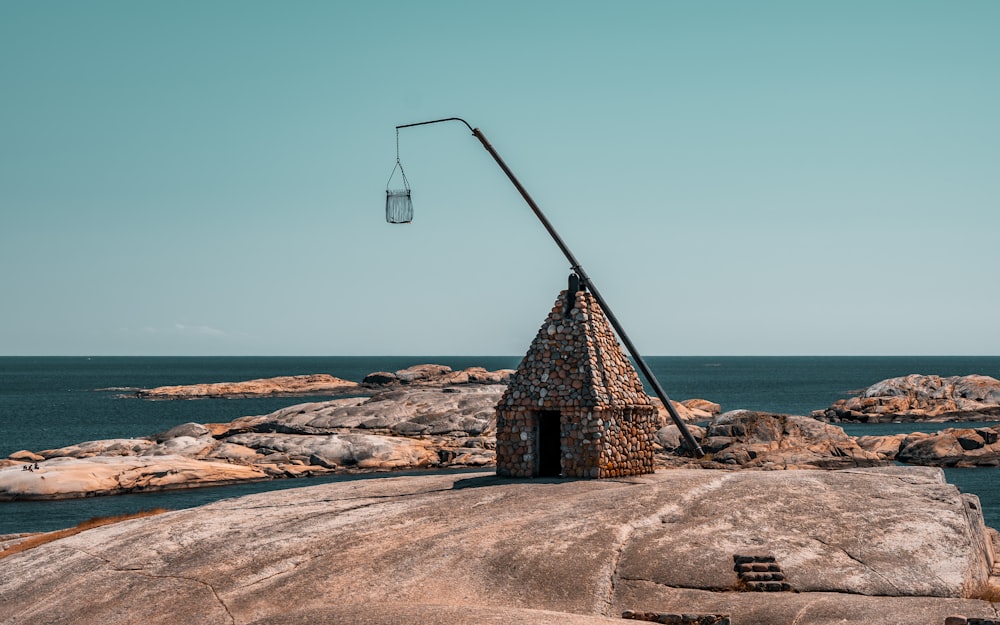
(549, 439)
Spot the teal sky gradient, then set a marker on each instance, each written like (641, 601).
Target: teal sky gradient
(759, 178)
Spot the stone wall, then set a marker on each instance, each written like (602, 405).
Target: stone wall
(595, 444)
(626, 441)
(516, 443)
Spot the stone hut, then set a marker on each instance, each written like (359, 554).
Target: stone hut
(575, 407)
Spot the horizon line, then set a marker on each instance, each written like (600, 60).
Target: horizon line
(488, 356)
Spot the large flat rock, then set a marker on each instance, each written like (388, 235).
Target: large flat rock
(313, 384)
(66, 478)
(861, 546)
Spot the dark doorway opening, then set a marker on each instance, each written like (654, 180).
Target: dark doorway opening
(549, 443)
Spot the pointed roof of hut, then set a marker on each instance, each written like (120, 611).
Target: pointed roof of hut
(575, 361)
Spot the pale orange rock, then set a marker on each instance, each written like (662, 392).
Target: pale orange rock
(315, 384)
(62, 478)
(703, 405)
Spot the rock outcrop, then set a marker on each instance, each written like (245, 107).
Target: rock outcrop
(289, 385)
(887, 447)
(402, 428)
(888, 546)
(428, 375)
(465, 411)
(921, 398)
(761, 440)
(703, 406)
(689, 410)
(87, 476)
(953, 447)
(436, 375)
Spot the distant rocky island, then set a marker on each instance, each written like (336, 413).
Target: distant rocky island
(428, 375)
(923, 398)
(431, 417)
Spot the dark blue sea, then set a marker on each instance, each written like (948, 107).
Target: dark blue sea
(50, 402)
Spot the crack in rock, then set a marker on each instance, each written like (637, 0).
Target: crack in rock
(605, 596)
(294, 565)
(672, 586)
(866, 565)
(378, 499)
(118, 569)
(804, 609)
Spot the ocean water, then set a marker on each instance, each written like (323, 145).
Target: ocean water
(50, 402)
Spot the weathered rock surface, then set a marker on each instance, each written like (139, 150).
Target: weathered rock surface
(26, 456)
(953, 447)
(921, 398)
(685, 412)
(361, 451)
(107, 447)
(194, 430)
(862, 546)
(69, 477)
(441, 375)
(316, 384)
(885, 446)
(468, 410)
(708, 407)
(979, 447)
(748, 439)
(671, 440)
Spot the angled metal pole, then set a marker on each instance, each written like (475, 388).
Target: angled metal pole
(584, 279)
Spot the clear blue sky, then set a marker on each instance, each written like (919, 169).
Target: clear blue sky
(737, 177)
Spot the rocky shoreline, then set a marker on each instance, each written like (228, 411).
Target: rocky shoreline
(747, 543)
(430, 417)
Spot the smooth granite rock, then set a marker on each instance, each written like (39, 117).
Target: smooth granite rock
(344, 450)
(860, 546)
(68, 477)
(686, 413)
(293, 385)
(194, 430)
(709, 407)
(439, 410)
(107, 447)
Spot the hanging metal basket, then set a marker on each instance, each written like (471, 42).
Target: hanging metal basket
(398, 205)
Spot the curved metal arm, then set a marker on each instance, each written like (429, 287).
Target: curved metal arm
(435, 121)
(585, 280)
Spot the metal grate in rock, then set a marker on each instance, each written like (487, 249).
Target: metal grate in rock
(961, 620)
(760, 574)
(678, 619)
